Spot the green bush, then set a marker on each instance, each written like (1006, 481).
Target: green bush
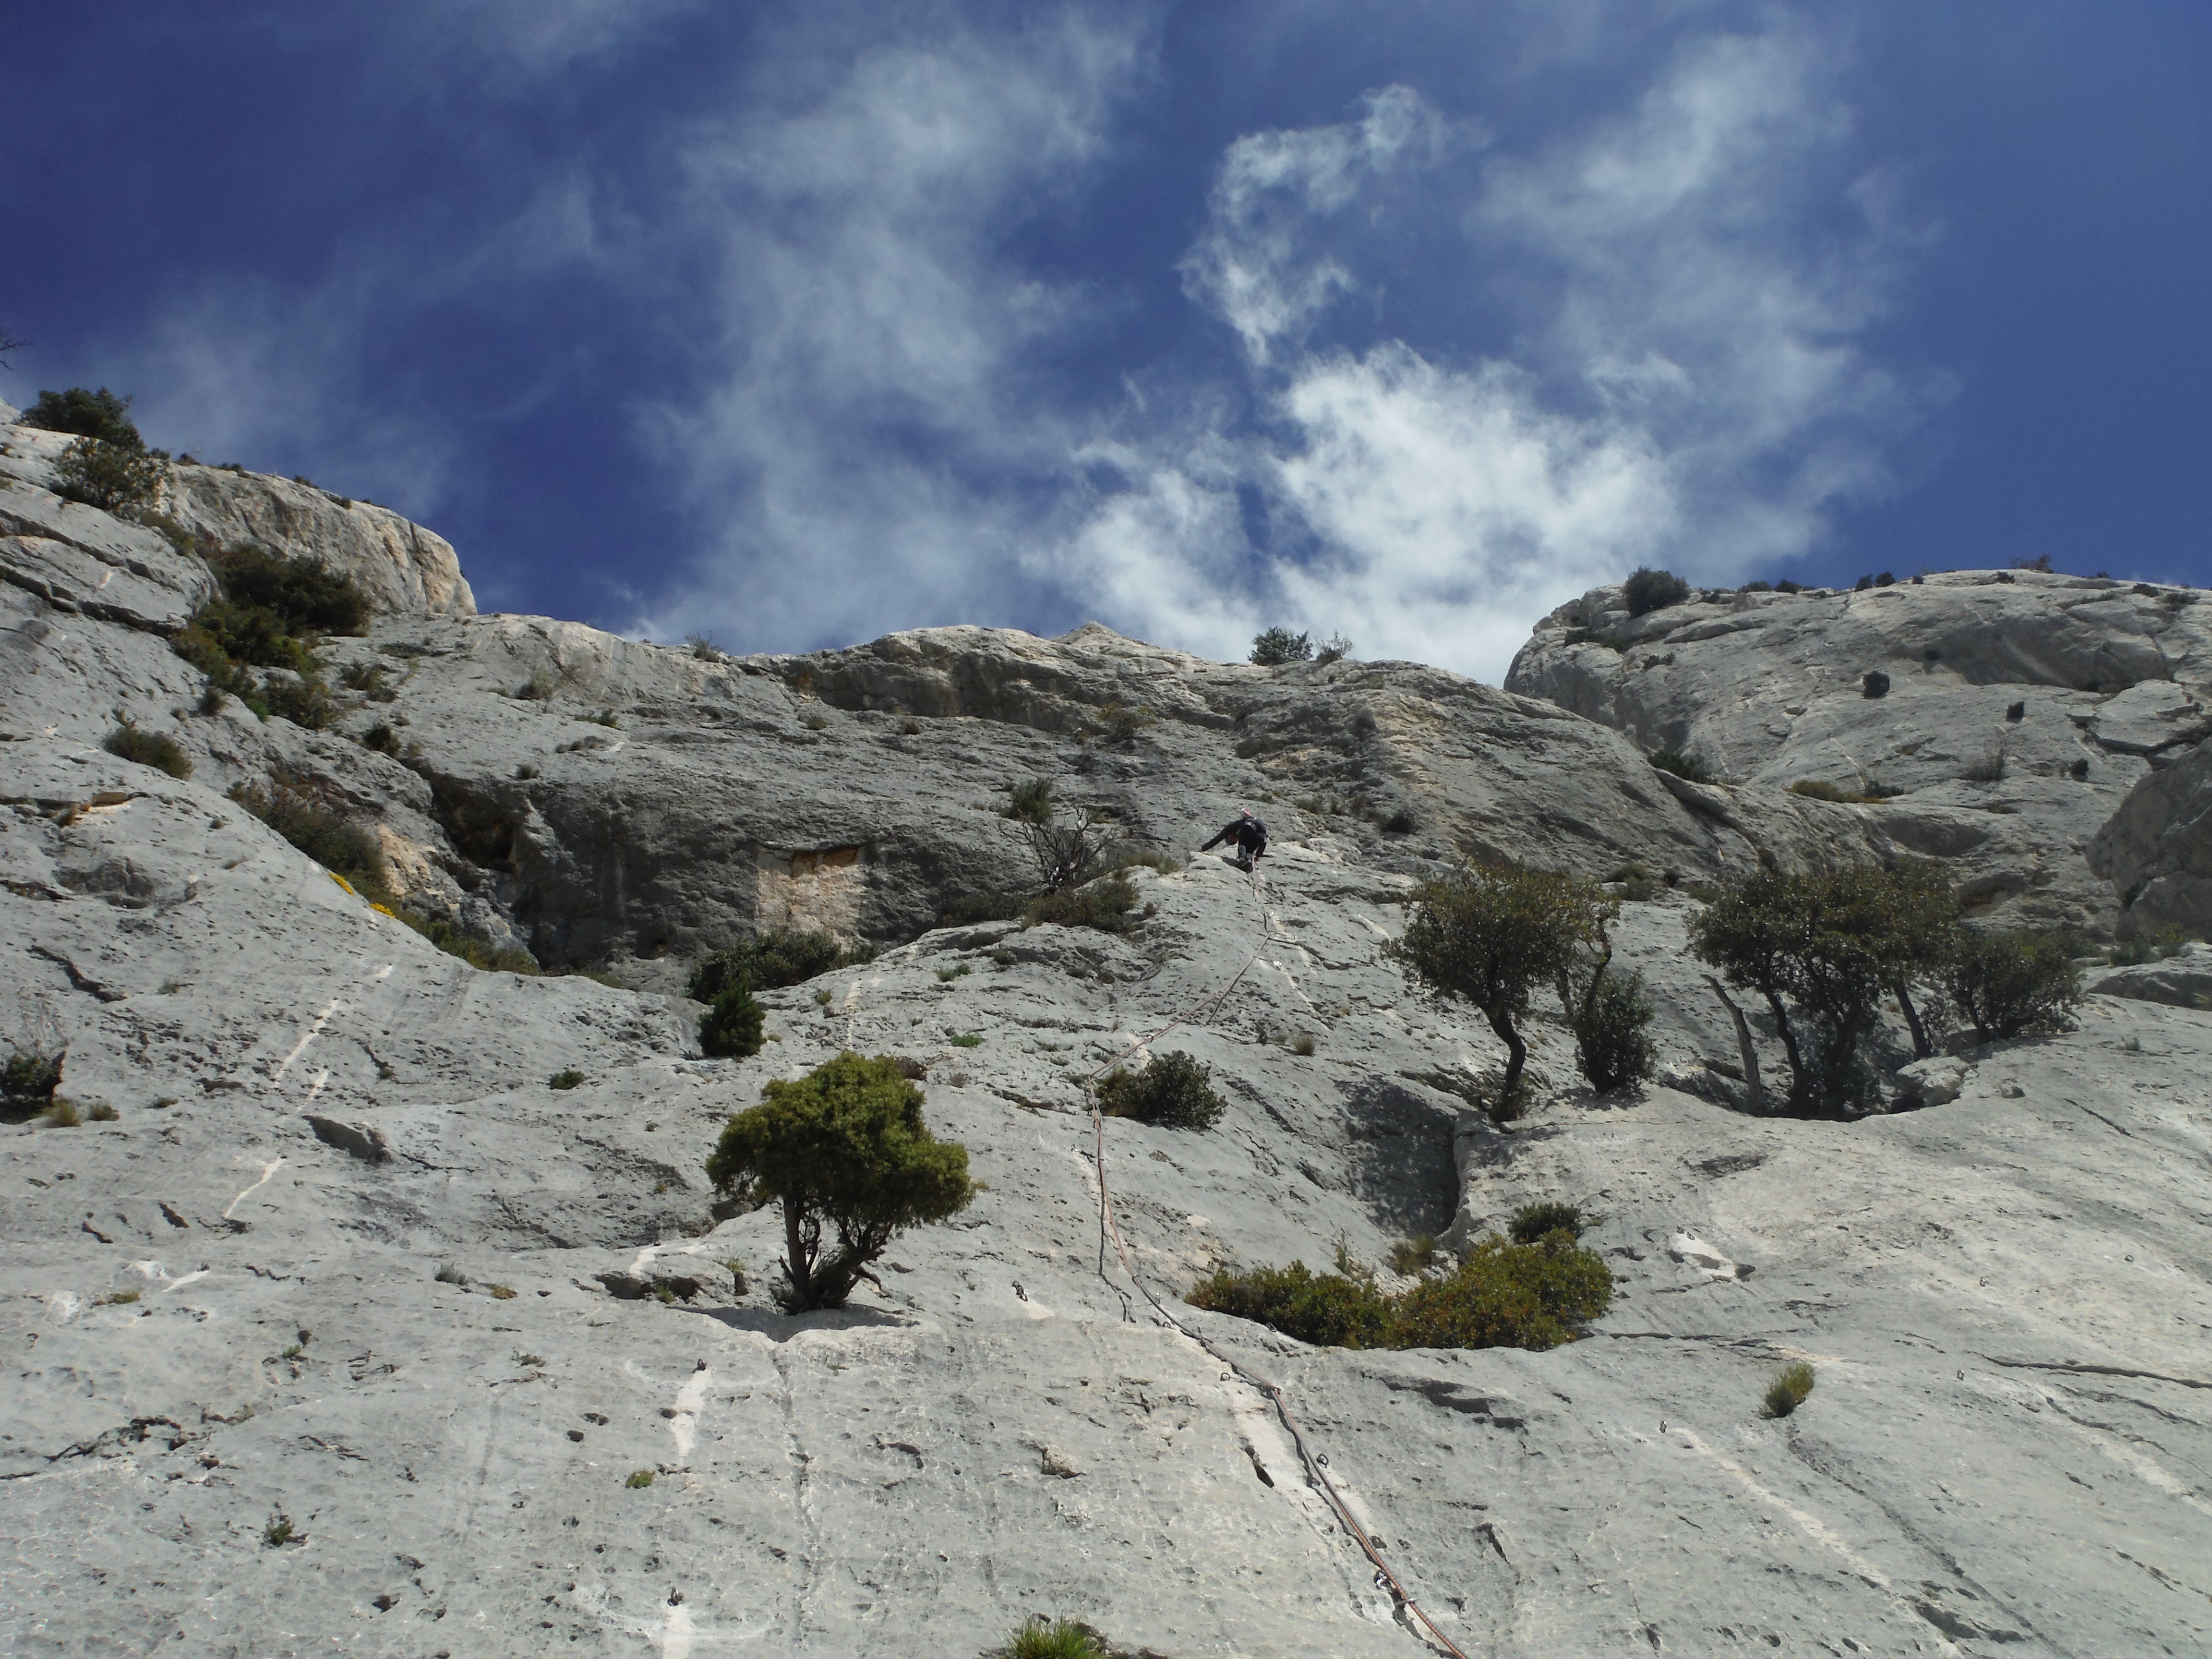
(769, 961)
(1330, 1310)
(2007, 983)
(970, 909)
(571, 1078)
(1532, 1222)
(332, 838)
(1501, 1296)
(306, 596)
(109, 476)
(732, 1028)
(1612, 1046)
(100, 414)
(1104, 905)
(639, 1480)
(1788, 1391)
(1492, 934)
(845, 1146)
(1653, 590)
(1278, 645)
(1683, 766)
(1413, 1256)
(1174, 1091)
(302, 700)
(155, 749)
(1057, 1638)
(27, 1082)
(1120, 723)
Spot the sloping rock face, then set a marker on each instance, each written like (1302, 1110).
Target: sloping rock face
(2157, 849)
(346, 1260)
(401, 567)
(2016, 710)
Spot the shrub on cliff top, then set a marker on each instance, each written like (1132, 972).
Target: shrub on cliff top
(100, 414)
(1278, 645)
(1653, 590)
(844, 1146)
(108, 475)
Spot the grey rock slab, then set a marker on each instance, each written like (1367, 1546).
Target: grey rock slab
(2156, 850)
(2183, 980)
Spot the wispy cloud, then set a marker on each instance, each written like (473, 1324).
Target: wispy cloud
(1695, 393)
(870, 435)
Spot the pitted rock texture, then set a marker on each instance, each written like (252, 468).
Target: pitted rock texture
(401, 567)
(2021, 708)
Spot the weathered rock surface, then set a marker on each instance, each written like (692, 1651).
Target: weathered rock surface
(2021, 708)
(401, 567)
(347, 1259)
(2156, 850)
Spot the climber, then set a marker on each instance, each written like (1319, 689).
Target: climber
(1249, 834)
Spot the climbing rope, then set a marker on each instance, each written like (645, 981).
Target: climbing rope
(1316, 1464)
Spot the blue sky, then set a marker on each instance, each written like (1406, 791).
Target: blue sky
(795, 324)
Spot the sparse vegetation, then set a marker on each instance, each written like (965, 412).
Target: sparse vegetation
(100, 1112)
(1053, 1638)
(1492, 934)
(2010, 983)
(772, 959)
(1822, 950)
(967, 1039)
(1067, 853)
(1278, 646)
(1612, 1046)
(1302, 1044)
(475, 952)
(946, 975)
(279, 1532)
(271, 613)
(109, 476)
(28, 1081)
(61, 1115)
(100, 414)
(733, 1027)
(1532, 1222)
(1174, 1091)
(1648, 590)
(119, 1298)
(1120, 722)
(1413, 1256)
(570, 1078)
(1683, 766)
(639, 1480)
(844, 1146)
(1502, 1294)
(702, 647)
(158, 750)
(448, 1273)
(502, 1292)
(1335, 648)
(1788, 1391)
(1104, 905)
(1990, 768)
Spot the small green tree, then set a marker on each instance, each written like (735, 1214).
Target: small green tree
(1067, 853)
(1278, 645)
(100, 414)
(1829, 945)
(1175, 1092)
(1612, 1046)
(1491, 934)
(2008, 983)
(844, 1145)
(108, 475)
(731, 1029)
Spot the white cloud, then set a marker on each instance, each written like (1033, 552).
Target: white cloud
(1696, 395)
(867, 435)
(1254, 262)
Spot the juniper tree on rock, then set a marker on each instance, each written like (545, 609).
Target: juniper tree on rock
(844, 1148)
(1491, 935)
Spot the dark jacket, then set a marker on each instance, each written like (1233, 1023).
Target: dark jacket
(1249, 834)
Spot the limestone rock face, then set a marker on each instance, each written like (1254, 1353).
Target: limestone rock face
(2017, 709)
(401, 567)
(349, 1321)
(2157, 848)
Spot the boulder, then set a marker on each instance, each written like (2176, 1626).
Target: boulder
(2183, 980)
